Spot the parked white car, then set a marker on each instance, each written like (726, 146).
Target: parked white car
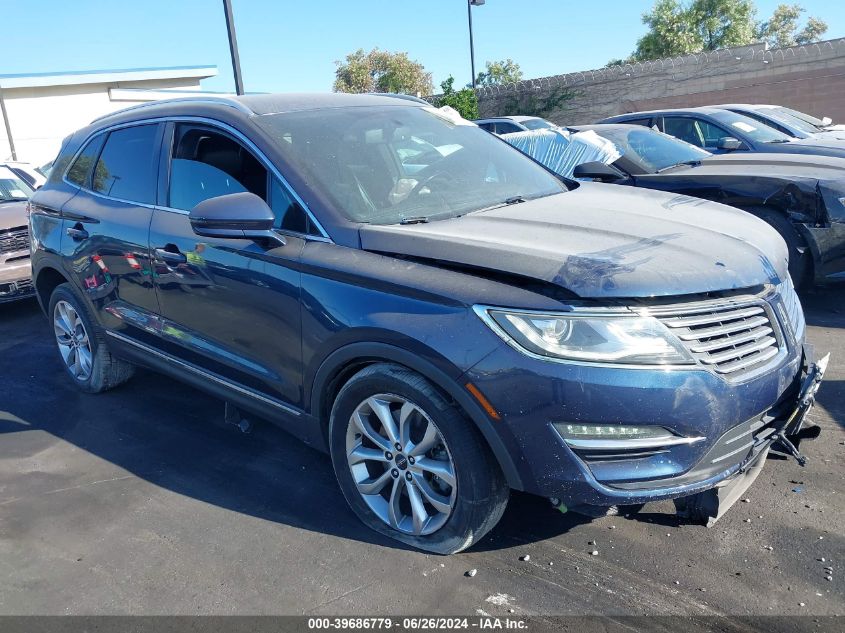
(510, 124)
(30, 174)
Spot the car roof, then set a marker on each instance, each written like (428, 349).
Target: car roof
(517, 118)
(754, 107)
(262, 104)
(698, 110)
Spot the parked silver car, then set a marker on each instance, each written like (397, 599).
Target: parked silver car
(15, 271)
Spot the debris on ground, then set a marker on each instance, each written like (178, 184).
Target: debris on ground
(595, 552)
(471, 573)
(526, 557)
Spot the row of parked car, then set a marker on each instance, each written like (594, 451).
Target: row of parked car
(442, 314)
(784, 166)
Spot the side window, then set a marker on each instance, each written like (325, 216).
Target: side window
(128, 165)
(644, 122)
(81, 169)
(289, 215)
(712, 133)
(683, 128)
(487, 126)
(506, 128)
(207, 164)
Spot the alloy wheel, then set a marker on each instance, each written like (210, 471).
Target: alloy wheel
(401, 465)
(73, 341)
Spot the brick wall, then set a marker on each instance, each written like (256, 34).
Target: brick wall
(809, 78)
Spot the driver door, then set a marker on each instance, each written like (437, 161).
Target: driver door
(229, 306)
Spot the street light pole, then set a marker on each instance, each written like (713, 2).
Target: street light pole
(233, 47)
(470, 5)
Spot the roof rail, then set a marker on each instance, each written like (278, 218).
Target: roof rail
(397, 95)
(226, 101)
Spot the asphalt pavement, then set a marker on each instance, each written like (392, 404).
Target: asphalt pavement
(142, 501)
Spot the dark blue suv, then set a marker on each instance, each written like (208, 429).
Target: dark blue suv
(446, 317)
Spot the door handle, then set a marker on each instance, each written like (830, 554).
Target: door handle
(77, 233)
(171, 256)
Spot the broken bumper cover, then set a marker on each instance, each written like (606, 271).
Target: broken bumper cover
(737, 457)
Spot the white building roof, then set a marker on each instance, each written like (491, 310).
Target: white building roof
(40, 80)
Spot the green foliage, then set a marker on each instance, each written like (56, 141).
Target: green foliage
(498, 73)
(464, 101)
(381, 71)
(537, 103)
(678, 27)
(782, 28)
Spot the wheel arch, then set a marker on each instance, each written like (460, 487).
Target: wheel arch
(47, 279)
(345, 362)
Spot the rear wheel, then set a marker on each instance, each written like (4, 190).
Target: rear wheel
(410, 464)
(82, 345)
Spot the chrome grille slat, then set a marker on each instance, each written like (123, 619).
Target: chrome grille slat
(717, 330)
(721, 343)
(14, 240)
(748, 361)
(729, 339)
(739, 350)
(727, 315)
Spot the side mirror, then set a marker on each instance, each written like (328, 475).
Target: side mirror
(826, 121)
(237, 216)
(729, 144)
(598, 171)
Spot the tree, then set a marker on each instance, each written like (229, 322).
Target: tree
(464, 101)
(782, 28)
(676, 27)
(505, 71)
(381, 71)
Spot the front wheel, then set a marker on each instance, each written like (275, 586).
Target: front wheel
(800, 256)
(410, 464)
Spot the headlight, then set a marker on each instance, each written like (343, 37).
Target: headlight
(589, 337)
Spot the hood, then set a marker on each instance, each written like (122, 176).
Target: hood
(603, 241)
(778, 165)
(824, 146)
(13, 214)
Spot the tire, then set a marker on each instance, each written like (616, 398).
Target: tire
(800, 256)
(77, 332)
(444, 465)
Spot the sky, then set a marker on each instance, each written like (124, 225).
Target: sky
(292, 45)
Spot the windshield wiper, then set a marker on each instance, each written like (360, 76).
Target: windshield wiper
(514, 200)
(780, 140)
(421, 219)
(690, 163)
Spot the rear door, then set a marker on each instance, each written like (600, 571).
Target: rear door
(105, 226)
(228, 306)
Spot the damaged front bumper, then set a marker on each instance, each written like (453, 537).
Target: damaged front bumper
(710, 505)
(706, 490)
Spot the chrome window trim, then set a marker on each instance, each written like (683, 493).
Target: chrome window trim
(205, 374)
(267, 163)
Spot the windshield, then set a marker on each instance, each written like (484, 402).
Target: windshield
(756, 131)
(781, 114)
(803, 116)
(536, 124)
(12, 187)
(649, 150)
(386, 164)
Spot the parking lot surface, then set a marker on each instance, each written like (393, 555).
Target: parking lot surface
(142, 501)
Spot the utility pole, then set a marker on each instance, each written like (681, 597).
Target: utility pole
(8, 125)
(233, 47)
(470, 5)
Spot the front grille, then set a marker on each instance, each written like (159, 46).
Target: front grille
(731, 340)
(13, 240)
